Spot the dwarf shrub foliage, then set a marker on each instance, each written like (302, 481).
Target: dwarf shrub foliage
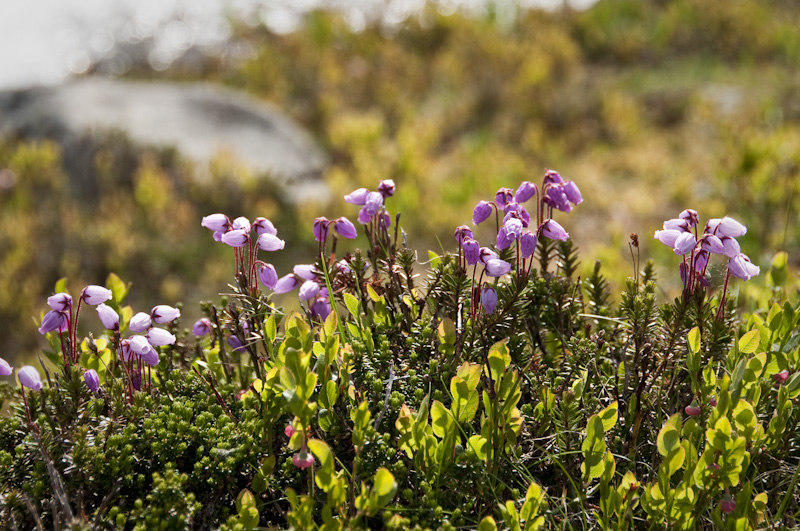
(488, 388)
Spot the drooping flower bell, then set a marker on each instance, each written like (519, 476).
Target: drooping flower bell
(308, 290)
(357, 197)
(741, 267)
(472, 251)
(286, 283)
(165, 314)
(527, 243)
(267, 275)
(236, 237)
(29, 377)
(94, 295)
(461, 233)
(201, 327)
(488, 299)
(108, 316)
(551, 229)
(345, 228)
(5, 368)
(54, 320)
(270, 242)
(140, 322)
(320, 228)
(158, 337)
(386, 188)
(482, 212)
(216, 222)
(525, 191)
(60, 301)
(303, 459)
(92, 380)
(264, 226)
(497, 267)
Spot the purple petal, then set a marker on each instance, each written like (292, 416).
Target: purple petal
(731, 246)
(712, 244)
(140, 322)
(386, 188)
(92, 380)
(488, 300)
(60, 301)
(29, 377)
(525, 191)
(264, 226)
(551, 229)
(345, 228)
(357, 197)
(730, 227)
(308, 290)
(241, 223)
(472, 251)
(487, 254)
(667, 236)
(286, 284)
(165, 314)
(551, 176)
(676, 224)
(741, 267)
(684, 243)
(94, 295)
(216, 222)
(497, 267)
(201, 327)
(268, 276)
(572, 192)
(158, 337)
(503, 196)
(270, 242)
(108, 316)
(527, 243)
(236, 238)
(54, 320)
(5, 368)
(482, 212)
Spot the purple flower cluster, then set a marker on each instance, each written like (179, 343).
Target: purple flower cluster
(246, 238)
(371, 203)
(718, 237)
(518, 228)
(133, 352)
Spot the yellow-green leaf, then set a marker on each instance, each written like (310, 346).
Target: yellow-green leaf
(748, 343)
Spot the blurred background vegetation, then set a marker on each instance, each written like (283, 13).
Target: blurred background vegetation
(651, 106)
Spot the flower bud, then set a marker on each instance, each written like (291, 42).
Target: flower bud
(472, 251)
(781, 377)
(693, 410)
(236, 237)
(497, 267)
(357, 197)
(525, 191)
(241, 223)
(308, 290)
(289, 430)
(727, 506)
(386, 188)
(320, 229)
(527, 243)
(551, 229)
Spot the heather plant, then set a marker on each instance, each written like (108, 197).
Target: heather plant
(490, 387)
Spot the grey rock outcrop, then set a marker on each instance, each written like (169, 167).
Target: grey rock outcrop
(199, 120)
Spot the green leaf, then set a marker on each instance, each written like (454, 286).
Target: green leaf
(609, 416)
(352, 304)
(439, 418)
(478, 445)
(487, 524)
(748, 343)
(324, 475)
(244, 500)
(61, 285)
(118, 288)
(374, 294)
(270, 328)
(668, 439)
(384, 488)
(693, 340)
(331, 322)
(434, 259)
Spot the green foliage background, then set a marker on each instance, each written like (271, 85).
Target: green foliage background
(650, 106)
